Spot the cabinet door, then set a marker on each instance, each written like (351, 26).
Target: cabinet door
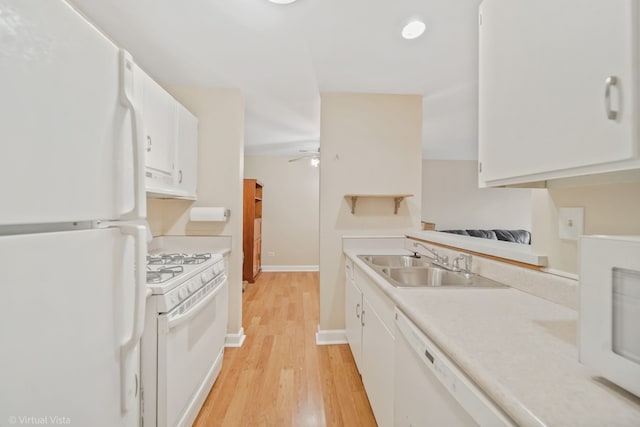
(543, 74)
(353, 325)
(377, 360)
(61, 335)
(66, 148)
(159, 109)
(187, 152)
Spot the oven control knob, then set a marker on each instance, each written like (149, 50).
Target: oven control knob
(184, 293)
(191, 286)
(205, 277)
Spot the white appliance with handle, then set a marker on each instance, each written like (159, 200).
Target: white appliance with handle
(72, 233)
(183, 341)
(430, 390)
(609, 333)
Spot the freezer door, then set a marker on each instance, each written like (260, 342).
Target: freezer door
(67, 136)
(66, 309)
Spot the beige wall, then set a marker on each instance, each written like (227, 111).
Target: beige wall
(369, 144)
(290, 209)
(608, 209)
(452, 200)
(220, 115)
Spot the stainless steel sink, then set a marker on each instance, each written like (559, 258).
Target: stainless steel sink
(404, 271)
(409, 277)
(394, 260)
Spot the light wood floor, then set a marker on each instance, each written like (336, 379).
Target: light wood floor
(280, 377)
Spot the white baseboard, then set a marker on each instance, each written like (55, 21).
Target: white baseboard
(331, 336)
(235, 340)
(282, 268)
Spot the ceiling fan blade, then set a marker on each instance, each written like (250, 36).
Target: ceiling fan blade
(309, 154)
(305, 156)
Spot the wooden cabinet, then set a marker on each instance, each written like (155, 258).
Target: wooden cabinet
(368, 324)
(252, 230)
(558, 89)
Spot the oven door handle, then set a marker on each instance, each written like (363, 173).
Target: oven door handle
(180, 319)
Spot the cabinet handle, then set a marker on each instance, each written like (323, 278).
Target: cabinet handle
(358, 311)
(362, 318)
(180, 174)
(610, 82)
(149, 144)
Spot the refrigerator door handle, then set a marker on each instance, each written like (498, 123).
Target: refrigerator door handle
(128, 100)
(128, 346)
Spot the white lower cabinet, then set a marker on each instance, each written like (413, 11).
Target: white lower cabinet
(353, 312)
(409, 381)
(377, 365)
(368, 315)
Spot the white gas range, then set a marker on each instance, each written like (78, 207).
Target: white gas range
(183, 342)
(179, 275)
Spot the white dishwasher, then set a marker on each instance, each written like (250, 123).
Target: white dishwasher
(430, 390)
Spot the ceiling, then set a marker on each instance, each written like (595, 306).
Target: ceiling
(283, 56)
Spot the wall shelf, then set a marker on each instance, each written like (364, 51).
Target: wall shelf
(397, 198)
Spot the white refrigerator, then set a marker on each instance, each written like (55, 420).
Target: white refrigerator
(72, 234)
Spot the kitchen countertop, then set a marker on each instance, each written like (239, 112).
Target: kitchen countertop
(519, 348)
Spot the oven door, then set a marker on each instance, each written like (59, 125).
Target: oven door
(190, 346)
(610, 308)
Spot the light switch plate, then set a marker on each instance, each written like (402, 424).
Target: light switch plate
(570, 223)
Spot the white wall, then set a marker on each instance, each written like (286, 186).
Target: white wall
(290, 210)
(608, 209)
(220, 115)
(452, 200)
(369, 144)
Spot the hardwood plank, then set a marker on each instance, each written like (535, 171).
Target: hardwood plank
(280, 377)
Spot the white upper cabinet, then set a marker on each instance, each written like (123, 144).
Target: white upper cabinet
(558, 89)
(171, 140)
(186, 176)
(159, 110)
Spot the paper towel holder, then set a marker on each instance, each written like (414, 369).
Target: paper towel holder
(209, 214)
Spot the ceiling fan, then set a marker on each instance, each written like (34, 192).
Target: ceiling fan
(313, 155)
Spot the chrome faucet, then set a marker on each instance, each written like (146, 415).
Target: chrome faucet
(467, 259)
(442, 260)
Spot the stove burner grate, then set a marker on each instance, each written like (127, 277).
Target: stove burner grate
(163, 274)
(177, 259)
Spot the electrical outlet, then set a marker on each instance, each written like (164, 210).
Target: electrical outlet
(271, 253)
(570, 223)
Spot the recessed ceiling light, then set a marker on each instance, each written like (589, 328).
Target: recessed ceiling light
(282, 1)
(413, 29)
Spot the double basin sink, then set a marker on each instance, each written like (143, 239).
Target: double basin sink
(405, 271)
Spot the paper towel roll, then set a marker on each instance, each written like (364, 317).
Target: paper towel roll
(208, 214)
